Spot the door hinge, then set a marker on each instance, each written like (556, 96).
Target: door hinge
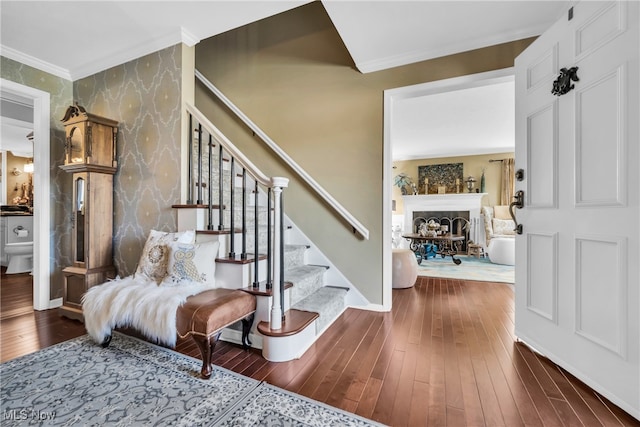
(570, 13)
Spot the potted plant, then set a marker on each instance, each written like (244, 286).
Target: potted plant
(401, 180)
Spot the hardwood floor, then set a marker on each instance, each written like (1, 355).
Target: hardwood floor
(444, 356)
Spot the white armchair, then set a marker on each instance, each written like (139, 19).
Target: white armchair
(497, 222)
(499, 226)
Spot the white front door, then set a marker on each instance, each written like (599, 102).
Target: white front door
(577, 260)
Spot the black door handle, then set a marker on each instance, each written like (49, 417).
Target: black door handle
(518, 202)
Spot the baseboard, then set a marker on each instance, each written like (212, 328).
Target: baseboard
(371, 307)
(55, 303)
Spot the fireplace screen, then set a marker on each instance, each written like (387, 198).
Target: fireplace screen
(455, 223)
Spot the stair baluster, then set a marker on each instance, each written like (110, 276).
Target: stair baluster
(210, 187)
(232, 187)
(243, 254)
(190, 163)
(269, 256)
(220, 190)
(281, 247)
(199, 201)
(256, 278)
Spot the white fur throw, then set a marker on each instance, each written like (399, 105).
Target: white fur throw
(136, 302)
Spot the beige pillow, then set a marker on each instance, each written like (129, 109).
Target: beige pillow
(503, 227)
(153, 258)
(501, 212)
(192, 262)
(154, 261)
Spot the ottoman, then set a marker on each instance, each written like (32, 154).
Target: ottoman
(502, 250)
(404, 269)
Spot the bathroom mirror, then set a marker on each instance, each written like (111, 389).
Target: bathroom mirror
(79, 205)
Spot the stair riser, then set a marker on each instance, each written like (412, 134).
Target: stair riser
(305, 287)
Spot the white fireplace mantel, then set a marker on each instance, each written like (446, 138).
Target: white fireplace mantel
(471, 202)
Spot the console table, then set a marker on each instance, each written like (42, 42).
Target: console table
(446, 244)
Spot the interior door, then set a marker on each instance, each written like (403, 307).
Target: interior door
(577, 282)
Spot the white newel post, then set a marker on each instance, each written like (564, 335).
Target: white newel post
(278, 183)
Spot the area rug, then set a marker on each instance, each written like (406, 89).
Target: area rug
(132, 382)
(471, 268)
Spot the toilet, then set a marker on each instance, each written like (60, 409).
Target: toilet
(17, 243)
(20, 257)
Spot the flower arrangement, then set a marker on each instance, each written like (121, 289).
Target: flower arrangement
(401, 180)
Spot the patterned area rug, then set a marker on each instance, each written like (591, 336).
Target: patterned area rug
(471, 268)
(133, 382)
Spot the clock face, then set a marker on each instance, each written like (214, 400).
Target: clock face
(76, 146)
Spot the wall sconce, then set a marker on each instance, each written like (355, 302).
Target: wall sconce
(28, 167)
(16, 172)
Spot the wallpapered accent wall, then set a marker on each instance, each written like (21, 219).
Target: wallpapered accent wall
(61, 92)
(144, 96)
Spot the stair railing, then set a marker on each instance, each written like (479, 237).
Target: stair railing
(356, 225)
(272, 187)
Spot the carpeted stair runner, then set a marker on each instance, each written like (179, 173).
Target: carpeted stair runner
(309, 292)
(327, 301)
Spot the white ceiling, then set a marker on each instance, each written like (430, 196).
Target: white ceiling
(74, 39)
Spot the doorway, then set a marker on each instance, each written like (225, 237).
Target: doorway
(392, 98)
(41, 184)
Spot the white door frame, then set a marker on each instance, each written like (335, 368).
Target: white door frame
(407, 92)
(41, 189)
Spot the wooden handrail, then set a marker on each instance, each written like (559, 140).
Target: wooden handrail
(328, 198)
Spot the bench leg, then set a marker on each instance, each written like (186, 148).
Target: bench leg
(206, 346)
(246, 328)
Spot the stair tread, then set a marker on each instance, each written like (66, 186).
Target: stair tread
(327, 301)
(321, 297)
(295, 322)
(300, 271)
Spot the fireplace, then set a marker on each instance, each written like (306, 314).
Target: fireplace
(446, 205)
(455, 220)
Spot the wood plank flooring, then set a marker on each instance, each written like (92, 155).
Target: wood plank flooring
(445, 355)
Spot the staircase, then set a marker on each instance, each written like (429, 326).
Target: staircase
(231, 201)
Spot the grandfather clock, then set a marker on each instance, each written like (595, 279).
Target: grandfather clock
(90, 157)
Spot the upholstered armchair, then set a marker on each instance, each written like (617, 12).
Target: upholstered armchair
(499, 228)
(497, 222)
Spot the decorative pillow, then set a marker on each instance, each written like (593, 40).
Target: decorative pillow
(192, 262)
(501, 212)
(154, 261)
(153, 258)
(503, 227)
(487, 213)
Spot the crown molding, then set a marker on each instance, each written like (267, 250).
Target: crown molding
(108, 60)
(421, 55)
(39, 64)
(112, 59)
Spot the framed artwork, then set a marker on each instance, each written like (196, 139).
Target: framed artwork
(431, 178)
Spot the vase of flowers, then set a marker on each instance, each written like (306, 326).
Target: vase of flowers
(401, 180)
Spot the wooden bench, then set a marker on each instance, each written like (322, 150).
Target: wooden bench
(204, 315)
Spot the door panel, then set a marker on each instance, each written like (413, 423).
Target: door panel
(601, 310)
(577, 262)
(600, 142)
(542, 298)
(543, 160)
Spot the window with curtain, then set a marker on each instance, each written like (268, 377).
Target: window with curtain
(508, 181)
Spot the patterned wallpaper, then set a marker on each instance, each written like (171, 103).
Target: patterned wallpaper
(144, 96)
(61, 92)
